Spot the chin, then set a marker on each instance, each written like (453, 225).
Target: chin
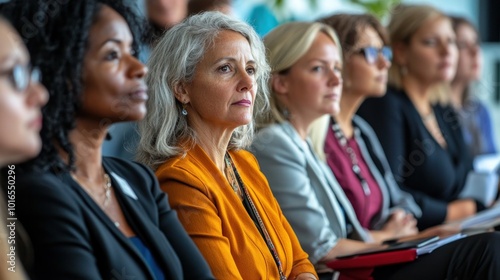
(28, 151)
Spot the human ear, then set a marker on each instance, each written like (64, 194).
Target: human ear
(181, 92)
(280, 83)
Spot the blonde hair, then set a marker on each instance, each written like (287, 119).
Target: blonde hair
(317, 133)
(285, 45)
(406, 20)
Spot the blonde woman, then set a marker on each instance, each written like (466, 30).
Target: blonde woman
(421, 139)
(306, 84)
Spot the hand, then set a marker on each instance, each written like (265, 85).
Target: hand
(460, 209)
(441, 230)
(400, 224)
(306, 276)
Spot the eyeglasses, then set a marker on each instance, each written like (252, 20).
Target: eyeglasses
(371, 53)
(22, 75)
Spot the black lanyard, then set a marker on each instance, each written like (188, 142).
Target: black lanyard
(252, 211)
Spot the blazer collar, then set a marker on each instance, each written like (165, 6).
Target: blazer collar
(132, 214)
(326, 177)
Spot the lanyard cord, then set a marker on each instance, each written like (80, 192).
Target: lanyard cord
(352, 156)
(252, 211)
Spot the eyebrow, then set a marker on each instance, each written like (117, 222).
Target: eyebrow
(232, 59)
(8, 60)
(112, 40)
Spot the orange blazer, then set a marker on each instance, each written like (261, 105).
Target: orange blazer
(217, 221)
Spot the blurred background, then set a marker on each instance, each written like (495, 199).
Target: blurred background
(266, 14)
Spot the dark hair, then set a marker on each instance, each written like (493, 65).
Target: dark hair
(56, 33)
(350, 26)
(199, 6)
(457, 21)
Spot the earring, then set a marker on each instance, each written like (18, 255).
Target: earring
(184, 112)
(286, 113)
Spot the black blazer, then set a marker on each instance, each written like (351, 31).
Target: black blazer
(74, 239)
(432, 174)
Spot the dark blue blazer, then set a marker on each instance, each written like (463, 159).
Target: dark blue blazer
(73, 238)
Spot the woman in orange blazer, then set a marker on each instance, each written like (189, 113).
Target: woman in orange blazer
(206, 75)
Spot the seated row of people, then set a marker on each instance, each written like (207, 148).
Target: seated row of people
(94, 217)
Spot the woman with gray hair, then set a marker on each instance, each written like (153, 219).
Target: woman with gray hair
(207, 75)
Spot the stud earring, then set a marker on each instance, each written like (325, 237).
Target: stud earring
(184, 112)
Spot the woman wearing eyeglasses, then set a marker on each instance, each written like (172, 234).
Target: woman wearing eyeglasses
(88, 216)
(21, 99)
(422, 138)
(348, 144)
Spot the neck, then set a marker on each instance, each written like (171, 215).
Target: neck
(349, 104)
(87, 141)
(214, 143)
(419, 93)
(457, 93)
(301, 125)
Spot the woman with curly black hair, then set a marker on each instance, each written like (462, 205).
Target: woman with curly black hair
(88, 216)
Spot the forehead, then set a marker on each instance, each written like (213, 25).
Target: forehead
(436, 25)
(465, 30)
(368, 36)
(109, 24)
(322, 45)
(229, 43)
(11, 45)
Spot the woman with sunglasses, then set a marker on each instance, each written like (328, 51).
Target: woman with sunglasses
(88, 216)
(305, 85)
(421, 137)
(21, 99)
(348, 144)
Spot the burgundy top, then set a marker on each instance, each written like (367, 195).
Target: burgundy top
(365, 206)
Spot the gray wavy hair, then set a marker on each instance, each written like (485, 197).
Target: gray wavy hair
(174, 60)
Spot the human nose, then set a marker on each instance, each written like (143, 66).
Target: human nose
(383, 62)
(447, 48)
(246, 81)
(137, 69)
(37, 94)
(335, 78)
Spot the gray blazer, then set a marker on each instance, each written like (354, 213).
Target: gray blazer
(307, 192)
(374, 156)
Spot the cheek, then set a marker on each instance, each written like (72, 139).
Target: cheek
(16, 134)
(311, 86)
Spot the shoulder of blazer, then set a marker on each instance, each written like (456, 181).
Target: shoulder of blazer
(368, 136)
(281, 135)
(194, 169)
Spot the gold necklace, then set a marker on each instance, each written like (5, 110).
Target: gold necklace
(107, 187)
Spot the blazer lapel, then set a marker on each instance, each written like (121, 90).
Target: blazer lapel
(334, 191)
(145, 229)
(107, 221)
(313, 164)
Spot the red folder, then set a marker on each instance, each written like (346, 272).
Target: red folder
(361, 267)
(373, 260)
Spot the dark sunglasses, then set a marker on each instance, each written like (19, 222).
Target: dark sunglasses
(22, 75)
(371, 53)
